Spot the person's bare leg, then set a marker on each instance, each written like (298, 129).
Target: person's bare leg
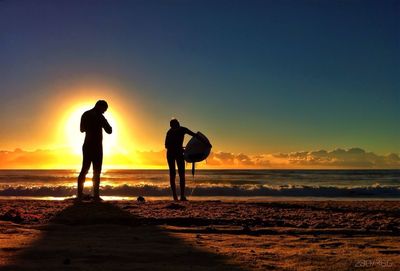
(173, 186)
(182, 184)
(82, 177)
(172, 174)
(96, 186)
(81, 181)
(182, 181)
(97, 164)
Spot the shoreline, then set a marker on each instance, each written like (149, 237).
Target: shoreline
(214, 198)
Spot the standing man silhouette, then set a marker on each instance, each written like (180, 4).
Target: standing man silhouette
(92, 123)
(174, 146)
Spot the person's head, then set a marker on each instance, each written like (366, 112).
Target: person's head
(101, 106)
(174, 123)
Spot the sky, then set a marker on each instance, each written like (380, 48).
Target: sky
(271, 83)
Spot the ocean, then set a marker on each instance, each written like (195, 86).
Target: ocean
(210, 184)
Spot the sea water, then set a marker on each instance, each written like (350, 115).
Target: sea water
(210, 184)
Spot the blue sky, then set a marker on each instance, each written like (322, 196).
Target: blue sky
(257, 76)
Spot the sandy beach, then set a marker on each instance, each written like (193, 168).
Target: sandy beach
(199, 235)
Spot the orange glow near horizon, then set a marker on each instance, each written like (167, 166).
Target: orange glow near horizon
(75, 138)
(54, 140)
(117, 147)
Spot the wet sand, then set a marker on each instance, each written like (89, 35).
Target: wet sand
(199, 235)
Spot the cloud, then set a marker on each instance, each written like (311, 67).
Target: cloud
(340, 158)
(221, 158)
(241, 160)
(355, 158)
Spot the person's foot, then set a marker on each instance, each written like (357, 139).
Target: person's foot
(86, 197)
(97, 199)
(176, 199)
(77, 199)
(183, 198)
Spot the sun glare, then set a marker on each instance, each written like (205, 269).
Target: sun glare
(119, 148)
(74, 138)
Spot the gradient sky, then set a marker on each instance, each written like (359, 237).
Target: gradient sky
(255, 76)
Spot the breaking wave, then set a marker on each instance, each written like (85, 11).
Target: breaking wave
(374, 191)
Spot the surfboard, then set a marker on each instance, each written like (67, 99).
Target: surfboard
(197, 150)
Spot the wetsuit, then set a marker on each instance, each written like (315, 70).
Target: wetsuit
(174, 146)
(92, 123)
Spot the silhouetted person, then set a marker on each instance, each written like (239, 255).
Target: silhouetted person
(92, 123)
(174, 146)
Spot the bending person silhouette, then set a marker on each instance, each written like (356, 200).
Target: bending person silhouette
(92, 123)
(174, 146)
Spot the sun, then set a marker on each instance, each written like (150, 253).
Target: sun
(74, 138)
(119, 148)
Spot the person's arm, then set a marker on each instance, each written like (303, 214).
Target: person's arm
(83, 123)
(106, 126)
(189, 132)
